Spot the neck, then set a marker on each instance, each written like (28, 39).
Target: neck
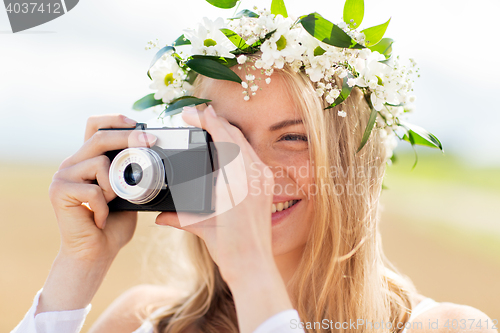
(287, 264)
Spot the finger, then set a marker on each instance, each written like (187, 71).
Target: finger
(173, 219)
(220, 129)
(94, 123)
(76, 194)
(87, 171)
(197, 118)
(103, 141)
(209, 122)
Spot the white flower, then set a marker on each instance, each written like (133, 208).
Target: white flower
(209, 40)
(259, 63)
(377, 102)
(268, 80)
(342, 114)
(283, 46)
(250, 77)
(168, 80)
(244, 85)
(351, 82)
(315, 73)
(390, 143)
(246, 98)
(254, 87)
(364, 53)
(342, 73)
(242, 59)
(334, 93)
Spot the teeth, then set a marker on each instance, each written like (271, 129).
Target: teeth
(282, 206)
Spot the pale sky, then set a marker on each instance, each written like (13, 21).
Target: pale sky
(92, 61)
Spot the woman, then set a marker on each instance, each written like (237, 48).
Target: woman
(302, 250)
(321, 256)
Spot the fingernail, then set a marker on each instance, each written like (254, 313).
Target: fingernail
(211, 111)
(147, 138)
(189, 109)
(129, 121)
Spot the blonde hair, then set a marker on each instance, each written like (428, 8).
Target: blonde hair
(343, 274)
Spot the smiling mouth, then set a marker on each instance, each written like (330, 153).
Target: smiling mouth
(280, 206)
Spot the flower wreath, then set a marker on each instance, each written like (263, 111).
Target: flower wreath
(309, 43)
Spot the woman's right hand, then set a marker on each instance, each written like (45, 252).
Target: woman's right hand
(94, 234)
(90, 238)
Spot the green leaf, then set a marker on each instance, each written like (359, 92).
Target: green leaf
(235, 39)
(368, 129)
(225, 4)
(346, 91)
(158, 55)
(410, 138)
(228, 62)
(278, 7)
(182, 40)
(191, 76)
(213, 69)
(327, 32)
(396, 105)
(393, 158)
(383, 47)
(373, 35)
(177, 104)
(418, 136)
(354, 10)
(244, 13)
(146, 102)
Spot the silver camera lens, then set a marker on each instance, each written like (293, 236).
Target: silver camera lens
(137, 175)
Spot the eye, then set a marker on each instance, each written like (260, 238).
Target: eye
(293, 137)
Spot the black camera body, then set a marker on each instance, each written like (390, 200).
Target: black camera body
(177, 174)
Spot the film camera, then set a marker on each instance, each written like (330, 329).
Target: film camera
(177, 174)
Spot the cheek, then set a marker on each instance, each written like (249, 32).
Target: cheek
(301, 172)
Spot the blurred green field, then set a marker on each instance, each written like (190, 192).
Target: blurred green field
(440, 226)
(448, 200)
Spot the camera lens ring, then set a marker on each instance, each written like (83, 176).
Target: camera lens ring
(152, 178)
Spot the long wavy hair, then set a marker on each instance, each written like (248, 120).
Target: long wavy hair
(343, 273)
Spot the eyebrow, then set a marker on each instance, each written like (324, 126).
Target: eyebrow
(277, 126)
(285, 123)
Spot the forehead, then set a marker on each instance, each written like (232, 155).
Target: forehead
(272, 102)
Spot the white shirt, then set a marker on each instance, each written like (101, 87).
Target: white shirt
(424, 305)
(72, 321)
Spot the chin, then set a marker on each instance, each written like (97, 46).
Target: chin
(290, 228)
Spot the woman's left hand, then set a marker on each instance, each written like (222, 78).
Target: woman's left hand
(239, 239)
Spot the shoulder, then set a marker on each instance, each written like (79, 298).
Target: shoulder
(450, 318)
(127, 312)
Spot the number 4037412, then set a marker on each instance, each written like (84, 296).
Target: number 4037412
(34, 7)
(471, 324)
